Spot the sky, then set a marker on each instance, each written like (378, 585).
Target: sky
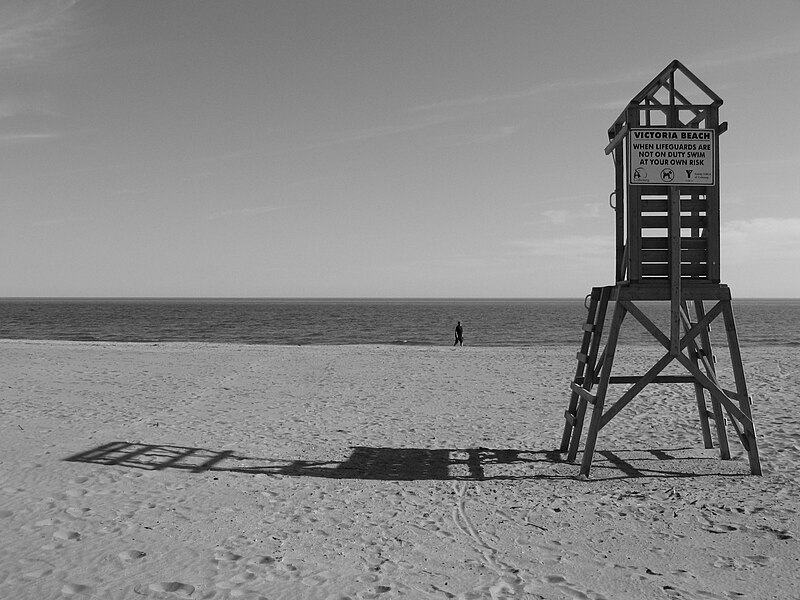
(382, 149)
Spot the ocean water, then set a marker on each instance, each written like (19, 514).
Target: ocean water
(412, 322)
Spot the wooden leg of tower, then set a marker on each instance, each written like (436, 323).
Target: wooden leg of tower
(699, 393)
(602, 389)
(707, 357)
(702, 409)
(750, 441)
(580, 415)
(571, 418)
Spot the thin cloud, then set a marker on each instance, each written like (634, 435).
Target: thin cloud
(27, 27)
(756, 51)
(14, 138)
(477, 138)
(243, 212)
(369, 133)
(59, 222)
(577, 247)
(556, 217)
(762, 240)
(549, 87)
(779, 162)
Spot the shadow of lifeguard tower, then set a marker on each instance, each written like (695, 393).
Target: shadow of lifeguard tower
(666, 165)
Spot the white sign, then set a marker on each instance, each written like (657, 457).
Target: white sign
(660, 156)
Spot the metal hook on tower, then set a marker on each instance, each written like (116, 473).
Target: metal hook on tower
(610, 196)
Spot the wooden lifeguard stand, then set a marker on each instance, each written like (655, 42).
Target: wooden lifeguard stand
(664, 146)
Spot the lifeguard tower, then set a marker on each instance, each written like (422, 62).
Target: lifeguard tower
(666, 203)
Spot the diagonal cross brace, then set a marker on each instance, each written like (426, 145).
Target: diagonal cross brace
(665, 360)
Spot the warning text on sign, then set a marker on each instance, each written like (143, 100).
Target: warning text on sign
(671, 156)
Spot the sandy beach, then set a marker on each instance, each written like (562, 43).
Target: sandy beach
(356, 472)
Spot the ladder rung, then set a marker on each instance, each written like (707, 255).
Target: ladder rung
(569, 417)
(583, 393)
(589, 327)
(582, 357)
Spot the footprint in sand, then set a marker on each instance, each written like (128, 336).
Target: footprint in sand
(571, 589)
(38, 574)
(129, 555)
(172, 587)
(63, 534)
(226, 556)
(260, 560)
(742, 563)
(76, 589)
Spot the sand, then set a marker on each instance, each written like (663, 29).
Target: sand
(354, 472)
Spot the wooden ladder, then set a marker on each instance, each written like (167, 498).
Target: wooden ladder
(587, 370)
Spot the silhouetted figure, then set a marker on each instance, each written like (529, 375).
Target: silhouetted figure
(459, 335)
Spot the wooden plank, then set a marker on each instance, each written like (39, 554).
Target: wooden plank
(701, 326)
(693, 204)
(655, 270)
(694, 221)
(653, 190)
(654, 222)
(661, 270)
(583, 393)
(662, 256)
(694, 243)
(694, 269)
(660, 203)
(645, 321)
(655, 243)
(635, 389)
(657, 289)
(652, 204)
(733, 410)
(693, 255)
(662, 243)
(663, 222)
(620, 135)
(655, 256)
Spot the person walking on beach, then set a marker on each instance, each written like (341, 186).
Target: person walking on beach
(459, 335)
